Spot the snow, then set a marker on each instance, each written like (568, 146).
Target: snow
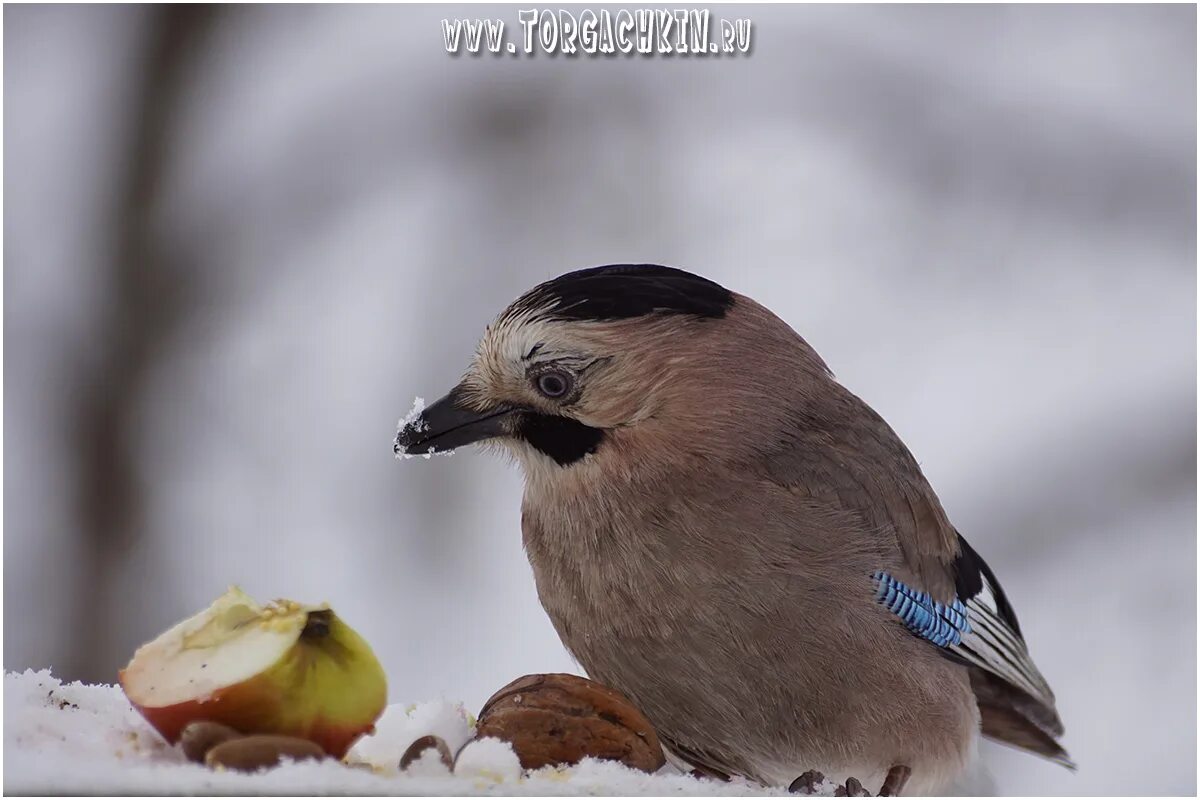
(418, 407)
(412, 416)
(73, 738)
(489, 760)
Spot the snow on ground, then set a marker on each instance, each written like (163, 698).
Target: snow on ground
(86, 739)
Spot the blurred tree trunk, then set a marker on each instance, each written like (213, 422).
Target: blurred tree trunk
(144, 306)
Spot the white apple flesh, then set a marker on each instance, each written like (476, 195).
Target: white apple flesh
(283, 668)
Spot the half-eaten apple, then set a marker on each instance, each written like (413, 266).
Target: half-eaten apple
(282, 668)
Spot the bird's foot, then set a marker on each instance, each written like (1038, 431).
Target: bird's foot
(852, 788)
(811, 782)
(893, 784)
(808, 783)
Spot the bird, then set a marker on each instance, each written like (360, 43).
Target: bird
(722, 531)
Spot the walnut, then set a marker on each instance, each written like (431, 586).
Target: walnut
(561, 719)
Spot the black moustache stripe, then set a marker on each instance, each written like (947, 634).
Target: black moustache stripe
(565, 440)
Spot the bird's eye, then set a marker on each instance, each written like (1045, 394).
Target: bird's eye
(554, 384)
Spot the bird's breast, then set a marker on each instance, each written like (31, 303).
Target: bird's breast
(598, 572)
(735, 602)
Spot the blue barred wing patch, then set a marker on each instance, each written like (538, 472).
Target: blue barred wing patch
(944, 625)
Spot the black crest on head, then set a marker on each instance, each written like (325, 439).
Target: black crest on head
(624, 291)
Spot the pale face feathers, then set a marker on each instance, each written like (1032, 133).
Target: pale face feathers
(659, 386)
(653, 362)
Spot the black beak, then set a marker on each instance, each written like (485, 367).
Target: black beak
(448, 424)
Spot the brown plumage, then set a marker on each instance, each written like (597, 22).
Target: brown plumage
(707, 511)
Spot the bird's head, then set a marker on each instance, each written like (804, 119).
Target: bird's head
(615, 357)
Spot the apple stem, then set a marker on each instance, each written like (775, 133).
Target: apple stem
(317, 625)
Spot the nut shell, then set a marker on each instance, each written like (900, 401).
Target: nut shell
(252, 753)
(201, 736)
(418, 748)
(561, 719)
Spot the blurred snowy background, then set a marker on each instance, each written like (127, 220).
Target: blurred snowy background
(239, 240)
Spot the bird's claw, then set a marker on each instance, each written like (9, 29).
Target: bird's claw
(852, 788)
(893, 784)
(808, 783)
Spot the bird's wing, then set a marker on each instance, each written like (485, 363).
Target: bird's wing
(978, 628)
(852, 459)
(993, 641)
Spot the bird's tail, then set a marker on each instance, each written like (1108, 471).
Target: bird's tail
(1010, 716)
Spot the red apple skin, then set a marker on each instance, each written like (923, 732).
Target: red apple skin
(252, 707)
(329, 689)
